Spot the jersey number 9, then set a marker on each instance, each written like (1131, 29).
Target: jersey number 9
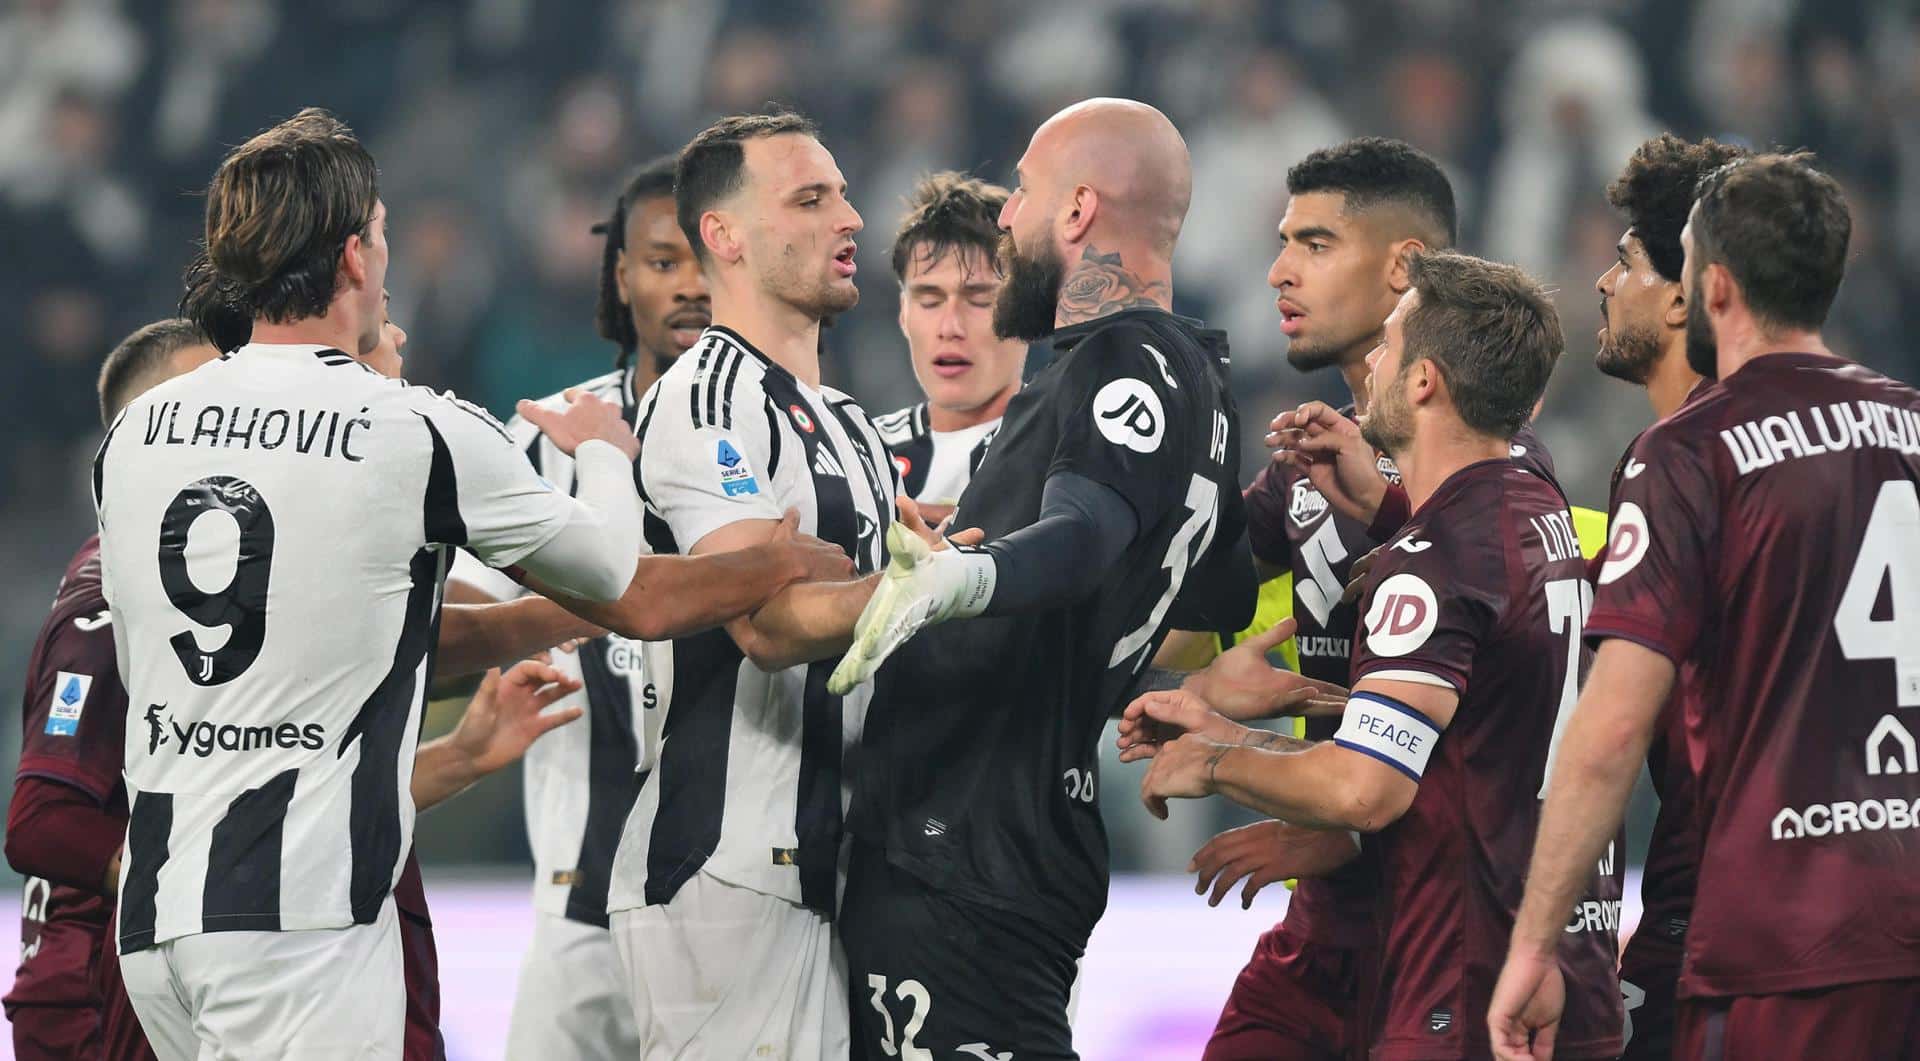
(240, 605)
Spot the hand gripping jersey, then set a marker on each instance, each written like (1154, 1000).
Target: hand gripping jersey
(935, 465)
(979, 765)
(274, 530)
(749, 782)
(1766, 538)
(1292, 526)
(1483, 591)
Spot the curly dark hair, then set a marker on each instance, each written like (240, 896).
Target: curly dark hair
(1655, 192)
(610, 316)
(710, 166)
(1372, 171)
(948, 211)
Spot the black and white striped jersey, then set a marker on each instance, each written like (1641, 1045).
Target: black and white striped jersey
(581, 779)
(749, 783)
(274, 530)
(935, 465)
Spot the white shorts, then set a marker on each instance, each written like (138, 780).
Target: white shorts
(572, 1002)
(330, 994)
(723, 973)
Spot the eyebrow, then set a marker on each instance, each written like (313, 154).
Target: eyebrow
(927, 288)
(1310, 232)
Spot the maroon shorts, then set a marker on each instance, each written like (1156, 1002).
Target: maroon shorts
(121, 1037)
(1295, 1001)
(1648, 989)
(54, 1033)
(1878, 1020)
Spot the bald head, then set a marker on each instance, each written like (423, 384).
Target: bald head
(1132, 159)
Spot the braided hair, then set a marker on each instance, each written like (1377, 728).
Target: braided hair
(611, 317)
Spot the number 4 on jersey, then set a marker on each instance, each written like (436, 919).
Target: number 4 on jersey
(1889, 556)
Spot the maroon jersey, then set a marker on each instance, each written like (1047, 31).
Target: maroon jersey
(1483, 591)
(1290, 525)
(74, 714)
(1767, 540)
(1651, 961)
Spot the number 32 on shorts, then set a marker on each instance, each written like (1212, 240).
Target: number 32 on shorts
(919, 1003)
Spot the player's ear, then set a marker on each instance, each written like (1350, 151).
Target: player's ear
(1717, 289)
(1400, 264)
(353, 261)
(1080, 209)
(1423, 381)
(717, 234)
(1676, 312)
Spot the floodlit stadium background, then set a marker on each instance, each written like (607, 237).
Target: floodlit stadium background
(503, 128)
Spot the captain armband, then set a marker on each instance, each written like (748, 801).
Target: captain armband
(1388, 730)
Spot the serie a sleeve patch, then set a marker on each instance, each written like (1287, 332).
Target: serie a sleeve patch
(69, 699)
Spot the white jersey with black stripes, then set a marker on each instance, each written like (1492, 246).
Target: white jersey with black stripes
(274, 531)
(748, 785)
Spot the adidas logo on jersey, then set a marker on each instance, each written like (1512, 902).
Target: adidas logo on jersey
(825, 463)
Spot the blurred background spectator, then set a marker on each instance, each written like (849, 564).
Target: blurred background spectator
(504, 127)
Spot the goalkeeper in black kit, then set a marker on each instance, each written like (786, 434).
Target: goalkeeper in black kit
(1111, 506)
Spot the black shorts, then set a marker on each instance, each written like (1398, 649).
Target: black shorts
(931, 972)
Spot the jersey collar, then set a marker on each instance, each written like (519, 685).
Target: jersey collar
(1068, 337)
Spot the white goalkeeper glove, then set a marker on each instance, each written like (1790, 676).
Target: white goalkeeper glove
(921, 586)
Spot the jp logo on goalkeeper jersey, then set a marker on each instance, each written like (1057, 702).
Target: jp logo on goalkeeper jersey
(1128, 413)
(1403, 615)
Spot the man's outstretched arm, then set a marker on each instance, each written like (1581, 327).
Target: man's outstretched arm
(673, 596)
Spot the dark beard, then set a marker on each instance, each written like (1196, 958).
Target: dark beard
(1030, 295)
(1629, 354)
(1306, 358)
(1703, 351)
(1378, 429)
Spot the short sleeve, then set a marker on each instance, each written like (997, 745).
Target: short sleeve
(76, 707)
(1432, 604)
(1125, 423)
(1653, 587)
(700, 474)
(482, 493)
(1267, 502)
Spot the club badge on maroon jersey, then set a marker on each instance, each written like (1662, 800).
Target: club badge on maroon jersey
(1306, 505)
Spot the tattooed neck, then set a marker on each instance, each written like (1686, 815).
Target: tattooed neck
(1101, 284)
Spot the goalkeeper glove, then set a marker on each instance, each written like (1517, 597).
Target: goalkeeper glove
(922, 586)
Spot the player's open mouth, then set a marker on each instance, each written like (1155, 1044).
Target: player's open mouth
(843, 261)
(685, 328)
(950, 366)
(1290, 318)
